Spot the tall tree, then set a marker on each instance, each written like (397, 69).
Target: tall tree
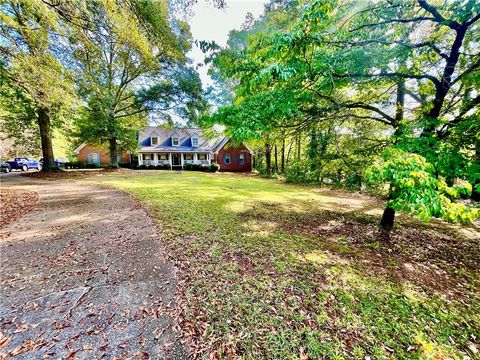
(33, 59)
(131, 56)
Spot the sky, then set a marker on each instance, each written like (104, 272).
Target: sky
(209, 23)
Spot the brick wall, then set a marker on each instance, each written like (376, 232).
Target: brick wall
(234, 158)
(103, 152)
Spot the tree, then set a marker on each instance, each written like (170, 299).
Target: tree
(32, 66)
(415, 189)
(132, 62)
(400, 73)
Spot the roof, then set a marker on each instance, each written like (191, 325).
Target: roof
(184, 140)
(165, 140)
(224, 141)
(80, 147)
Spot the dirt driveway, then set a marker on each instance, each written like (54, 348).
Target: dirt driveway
(84, 276)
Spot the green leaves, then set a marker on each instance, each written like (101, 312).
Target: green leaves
(415, 189)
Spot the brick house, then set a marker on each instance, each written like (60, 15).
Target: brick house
(176, 147)
(233, 158)
(97, 154)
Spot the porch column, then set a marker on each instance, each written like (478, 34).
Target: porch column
(181, 160)
(155, 158)
(170, 160)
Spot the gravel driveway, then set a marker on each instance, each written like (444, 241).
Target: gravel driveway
(84, 276)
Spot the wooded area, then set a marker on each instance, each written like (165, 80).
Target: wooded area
(356, 93)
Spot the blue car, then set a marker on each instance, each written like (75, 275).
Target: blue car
(24, 164)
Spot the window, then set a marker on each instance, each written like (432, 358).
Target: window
(175, 141)
(195, 142)
(147, 156)
(163, 156)
(93, 158)
(241, 158)
(188, 156)
(202, 156)
(155, 140)
(227, 159)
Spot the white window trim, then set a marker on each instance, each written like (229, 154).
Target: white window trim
(151, 140)
(178, 141)
(241, 158)
(227, 155)
(89, 156)
(195, 138)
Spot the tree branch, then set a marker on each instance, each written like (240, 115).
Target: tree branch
(438, 17)
(392, 75)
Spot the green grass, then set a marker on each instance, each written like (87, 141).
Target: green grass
(269, 270)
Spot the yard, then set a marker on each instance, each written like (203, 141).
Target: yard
(273, 270)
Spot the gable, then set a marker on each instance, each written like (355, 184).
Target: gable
(165, 136)
(226, 143)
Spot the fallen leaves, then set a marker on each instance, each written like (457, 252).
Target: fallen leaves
(15, 204)
(4, 340)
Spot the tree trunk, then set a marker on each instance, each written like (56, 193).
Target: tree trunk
(113, 153)
(289, 151)
(476, 194)
(388, 219)
(283, 156)
(276, 157)
(268, 158)
(444, 85)
(298, 147)
(46, 139)
(399, 110)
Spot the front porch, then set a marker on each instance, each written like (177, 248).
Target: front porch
(174, 159)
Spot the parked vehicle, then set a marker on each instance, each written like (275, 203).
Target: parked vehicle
(24, 164)
(58, 163)
(5, 167)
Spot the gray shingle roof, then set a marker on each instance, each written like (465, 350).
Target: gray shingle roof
(184, 139)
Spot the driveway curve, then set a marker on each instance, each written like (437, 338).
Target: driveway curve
(84, 276)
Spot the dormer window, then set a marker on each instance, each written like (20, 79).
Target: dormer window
(154, 140)
(195, 142)
(175, 141)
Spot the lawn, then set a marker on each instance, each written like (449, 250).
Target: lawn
(271, 270)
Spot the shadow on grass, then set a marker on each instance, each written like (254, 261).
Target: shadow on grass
(416, 253)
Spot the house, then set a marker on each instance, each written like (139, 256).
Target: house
(177, 147)
(95, 154)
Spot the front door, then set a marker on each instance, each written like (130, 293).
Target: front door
(176, 160)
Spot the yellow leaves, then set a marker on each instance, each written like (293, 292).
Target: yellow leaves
(431, 350)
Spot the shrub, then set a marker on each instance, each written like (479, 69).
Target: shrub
(212, 168)
(142, 167)
(415, 188)
(163, 167)
(199, 167)
(302, 171)
(127, 165)
(74, 165)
